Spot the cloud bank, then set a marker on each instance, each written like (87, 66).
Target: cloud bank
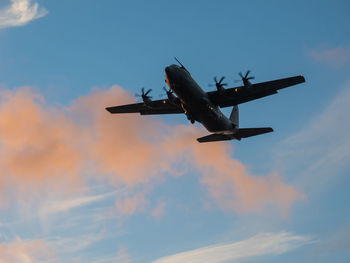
(43, 145)
(258, 245)
(20, 12)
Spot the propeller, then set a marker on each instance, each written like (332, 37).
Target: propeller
(245, 78)
(218, 83)
(168, 92)
(144, 95)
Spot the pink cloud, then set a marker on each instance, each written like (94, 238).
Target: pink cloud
(26, 251)
(41, 145)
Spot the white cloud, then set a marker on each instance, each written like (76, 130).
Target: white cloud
(20, 12)
(321, 149)
(68, 204)
(258, 245)
(336, 56)
(74, 244)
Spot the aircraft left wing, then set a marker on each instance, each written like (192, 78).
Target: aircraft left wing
(238, 95)
(149, 108)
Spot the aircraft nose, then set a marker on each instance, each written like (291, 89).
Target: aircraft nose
(167, 70)
(171, 70)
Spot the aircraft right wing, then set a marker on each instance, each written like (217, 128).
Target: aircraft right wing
(149, 108)
(238, 95)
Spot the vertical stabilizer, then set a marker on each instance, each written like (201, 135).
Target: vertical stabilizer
(234, 117)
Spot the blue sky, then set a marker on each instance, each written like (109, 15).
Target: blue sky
(78, 185)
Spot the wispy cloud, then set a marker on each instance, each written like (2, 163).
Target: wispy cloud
(122, 255)
(26, 251)
(335, 56)
(68, 204)
(68, 245)
(20, 12)
(158, 211)
(322, 148)
(259, 245)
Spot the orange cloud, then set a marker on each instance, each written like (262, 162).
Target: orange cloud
(26, 251)
(227, 179)
(40, 144)
(122, 147)
(130, 205)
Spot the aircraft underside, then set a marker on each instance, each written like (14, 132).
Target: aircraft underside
(204, 107)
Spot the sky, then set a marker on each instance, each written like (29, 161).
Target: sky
(80, 185)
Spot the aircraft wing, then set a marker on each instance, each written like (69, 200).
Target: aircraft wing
(238, 95)
(149, 108)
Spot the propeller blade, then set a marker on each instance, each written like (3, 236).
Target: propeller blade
(251, 78)
(215, 79)
(246, 75)
(222, 78)
(148, 91)
(241, 75)
(143, 90)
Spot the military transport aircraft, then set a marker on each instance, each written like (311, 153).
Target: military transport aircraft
(204, 107)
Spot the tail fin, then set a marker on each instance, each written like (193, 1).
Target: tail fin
(234, 117)
(241, 133)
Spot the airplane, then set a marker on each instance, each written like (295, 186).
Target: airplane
(186, 96)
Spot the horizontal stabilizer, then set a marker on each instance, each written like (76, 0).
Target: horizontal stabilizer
(248, 132)
(241, 133)
(214, 138)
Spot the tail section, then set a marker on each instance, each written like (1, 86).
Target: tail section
(249, 132)
(238, 135)
(215, 137)
(234, 117)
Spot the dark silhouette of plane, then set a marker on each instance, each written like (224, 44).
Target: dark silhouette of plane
(204, 107)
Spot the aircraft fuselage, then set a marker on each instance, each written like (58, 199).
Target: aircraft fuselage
(195, 101)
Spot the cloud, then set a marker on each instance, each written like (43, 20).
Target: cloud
(38, 144)
(258, 245)
(130, 205)
(321, 149)
(63, 148)
(26, 251)
(158, 211)
(335, 57)
(68, 204)
(20, 12)
(71, 245)
(122, 255)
